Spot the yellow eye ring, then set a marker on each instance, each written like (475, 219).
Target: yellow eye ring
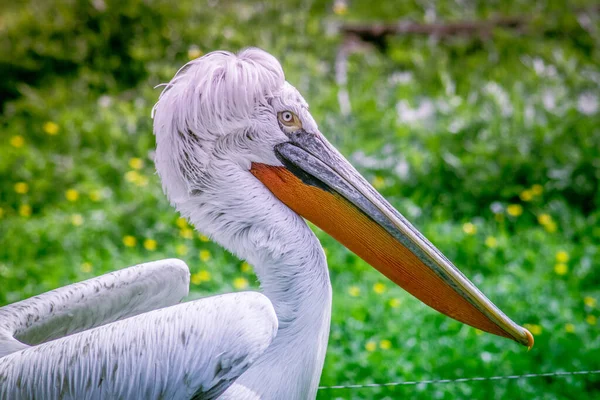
(289, 120)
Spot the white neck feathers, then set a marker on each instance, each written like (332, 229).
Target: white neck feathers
(238, 212)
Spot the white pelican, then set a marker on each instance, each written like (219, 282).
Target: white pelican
(241, 157)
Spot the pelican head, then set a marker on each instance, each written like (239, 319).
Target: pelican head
(235, 141)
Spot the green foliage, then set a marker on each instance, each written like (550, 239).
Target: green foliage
(489, 146)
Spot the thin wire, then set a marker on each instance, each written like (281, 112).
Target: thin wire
(461, 380)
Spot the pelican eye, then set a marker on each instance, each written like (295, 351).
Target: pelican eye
(289, 120)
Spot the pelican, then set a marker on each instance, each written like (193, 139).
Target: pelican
(240, 156)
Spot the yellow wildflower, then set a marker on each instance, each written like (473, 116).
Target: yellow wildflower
(25, 210)
(150, 244)
(526, 195)
(195, 280)
(86, 267)
(514, 210)
(141, 180)
(186, 233)
(136, 163)
(378, 182)
(72, 195)
(77, 219)
(205, 255)
(136, 178)
(385, 344)
(562, 256)
(181, 223)
(395, 302)
(469, 228)
(204, 275)
(200, 276)
(245, 267)
(544, 219)
(132, 176)
(129, 240)
(51, 128)
(570, 328)
(491, 242)
(194, 52)
(21, 187)
(1, 212)
(589, 301)
(340, 7)
(181, 249)
(240, 283)
(590, 319)
(203, 238)
(371, 345)
(551, 227)
(561, 269)
(354, 291)
(96, 195)
(379, 288)
(534, 329)
(17, 141)
(537, 189)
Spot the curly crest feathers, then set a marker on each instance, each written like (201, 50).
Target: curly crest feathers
(209, 97)
(219, 89)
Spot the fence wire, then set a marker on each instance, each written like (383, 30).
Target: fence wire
(462, 380)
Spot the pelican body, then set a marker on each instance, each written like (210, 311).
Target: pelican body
(241, 157)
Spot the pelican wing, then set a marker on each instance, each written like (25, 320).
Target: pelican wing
(193, 350)
(92, 303)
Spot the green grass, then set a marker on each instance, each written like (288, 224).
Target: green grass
(501, 172)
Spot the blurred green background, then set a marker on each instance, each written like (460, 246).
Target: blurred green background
(489, 144)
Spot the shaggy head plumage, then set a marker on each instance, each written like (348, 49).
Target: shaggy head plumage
(216, 106)
(219, 92)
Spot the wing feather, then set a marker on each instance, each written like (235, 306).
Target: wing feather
(191, 350)
(92, 303)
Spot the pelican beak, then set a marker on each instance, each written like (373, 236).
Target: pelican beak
(318, 183)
